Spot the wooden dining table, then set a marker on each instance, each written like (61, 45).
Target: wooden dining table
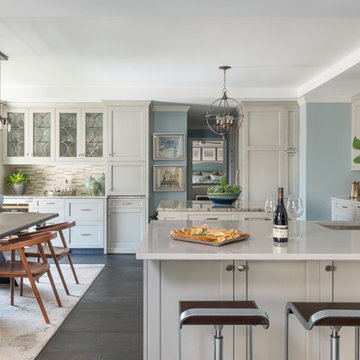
(13, 223)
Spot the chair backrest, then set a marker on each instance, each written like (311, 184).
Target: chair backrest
(56, 227)
(29, 239)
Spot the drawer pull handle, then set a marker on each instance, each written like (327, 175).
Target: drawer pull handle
(127, 203)
(212, 218)
(343, 206)
(50, 203)
(85, 209)
(230, 267)
(85, 234)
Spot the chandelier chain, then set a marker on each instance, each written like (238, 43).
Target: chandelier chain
(224, 88)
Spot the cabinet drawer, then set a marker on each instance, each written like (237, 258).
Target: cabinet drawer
(86, 236)
(85, 210)
(138, 203)
(49, 203)
(19, 201)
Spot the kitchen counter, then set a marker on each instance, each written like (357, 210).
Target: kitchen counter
(323, 265)
(317, 243)
(200, 206)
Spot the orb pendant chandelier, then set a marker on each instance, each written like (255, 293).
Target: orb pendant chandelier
(224, 115)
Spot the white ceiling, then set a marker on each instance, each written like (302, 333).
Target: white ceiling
(87, 50)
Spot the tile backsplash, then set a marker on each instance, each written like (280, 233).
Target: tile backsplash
(45, 177)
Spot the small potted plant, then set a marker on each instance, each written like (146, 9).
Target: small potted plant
(17, 180)
(224, 194)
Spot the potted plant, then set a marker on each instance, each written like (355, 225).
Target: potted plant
(224, 194)
(17, 180)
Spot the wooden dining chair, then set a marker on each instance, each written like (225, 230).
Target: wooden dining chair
(55, 252)
(24, 269)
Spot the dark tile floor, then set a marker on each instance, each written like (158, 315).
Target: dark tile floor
(106, 324)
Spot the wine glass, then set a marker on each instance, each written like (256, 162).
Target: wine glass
(269, 207)
(295, 209)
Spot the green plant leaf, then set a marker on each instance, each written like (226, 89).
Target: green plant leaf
(357, 160)
(356, 144)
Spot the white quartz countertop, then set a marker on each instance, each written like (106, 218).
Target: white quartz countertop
(200, 206)
(317, 243)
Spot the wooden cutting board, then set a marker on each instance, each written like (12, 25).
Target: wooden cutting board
(227, 241)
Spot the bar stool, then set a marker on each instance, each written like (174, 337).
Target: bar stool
(218, 314)
(332, 314)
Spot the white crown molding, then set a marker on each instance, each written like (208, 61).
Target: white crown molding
(170, 108)
(56, 105)
(355, 98)
(127, 102)
(334, 70)
(340, 99)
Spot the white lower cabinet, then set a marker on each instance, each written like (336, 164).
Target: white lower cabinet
(126, 225)
(345, 210)
(180, 281)
(271, 284)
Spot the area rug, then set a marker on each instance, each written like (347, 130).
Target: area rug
(23, 331)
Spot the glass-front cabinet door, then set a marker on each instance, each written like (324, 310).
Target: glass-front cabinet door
(93, 134)
(68, 130)
(15, 141)
(42, 135)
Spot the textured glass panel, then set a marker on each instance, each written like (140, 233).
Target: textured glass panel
(16, 137)
(94, 134)
(68, 128)
(42, 134)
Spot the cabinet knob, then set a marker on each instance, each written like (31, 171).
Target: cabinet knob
(230, 267)
(242, 268)
(330, 268)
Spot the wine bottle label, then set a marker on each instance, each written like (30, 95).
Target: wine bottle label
(280, 231)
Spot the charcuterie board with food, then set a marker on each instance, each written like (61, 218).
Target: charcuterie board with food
(207, 235)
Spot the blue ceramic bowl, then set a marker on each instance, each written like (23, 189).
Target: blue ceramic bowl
(223, 198)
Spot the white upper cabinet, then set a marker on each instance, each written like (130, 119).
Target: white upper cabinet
(80, 134)
(48, 134)
(269, 150)
(127, 133)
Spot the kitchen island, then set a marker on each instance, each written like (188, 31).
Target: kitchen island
(321, 266)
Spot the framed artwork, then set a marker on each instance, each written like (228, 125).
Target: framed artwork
(196, 153)
(169, 178)
(208, 154)
(220, 154)
(168, 146)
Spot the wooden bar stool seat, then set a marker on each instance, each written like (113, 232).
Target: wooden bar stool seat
(55, 252)
(332, 314)
(218, 314)
(24, 269)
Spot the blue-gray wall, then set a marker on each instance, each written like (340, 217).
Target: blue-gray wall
(325, 156)
(167, 122)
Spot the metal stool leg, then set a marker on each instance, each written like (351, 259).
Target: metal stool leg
(335, 343)
(250, 342)
(356, 343)
(218, 343)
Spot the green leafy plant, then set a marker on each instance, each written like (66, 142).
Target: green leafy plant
(17, 177)
(224, 187)
(356, 146)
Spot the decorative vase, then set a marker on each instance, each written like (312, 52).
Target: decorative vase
(19, 188)
(87, 185)
(94, 188)
(101, 180)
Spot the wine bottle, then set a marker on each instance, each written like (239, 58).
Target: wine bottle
(280, 223)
